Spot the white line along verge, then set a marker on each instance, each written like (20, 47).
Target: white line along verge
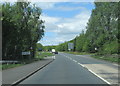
(99, 76)
(81, 65)
(90, 71)
(95, 74)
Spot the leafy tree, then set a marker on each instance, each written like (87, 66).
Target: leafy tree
(102, 30)
(22, 29)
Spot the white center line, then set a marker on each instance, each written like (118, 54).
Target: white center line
(88, 70)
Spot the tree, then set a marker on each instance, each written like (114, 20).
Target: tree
(22, 29)
(102, 30)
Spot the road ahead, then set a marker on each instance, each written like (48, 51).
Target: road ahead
(67, 69)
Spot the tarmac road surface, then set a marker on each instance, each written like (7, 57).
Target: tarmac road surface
(69, 69)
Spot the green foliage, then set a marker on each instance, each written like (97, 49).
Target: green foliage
(110, 58)
(80, 42)
(62, 47)
(48, 48)
(111, 47)
(5, 66)
(102, 31)
(22, 29)
(39, 46)
(42, 55)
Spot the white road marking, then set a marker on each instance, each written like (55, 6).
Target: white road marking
(70, 59)
(99, 76)
(81, 64)
(89, 70)
(74, 60)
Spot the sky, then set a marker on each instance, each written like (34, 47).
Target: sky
(64, 20)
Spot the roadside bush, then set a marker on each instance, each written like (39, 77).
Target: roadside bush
(110, 48)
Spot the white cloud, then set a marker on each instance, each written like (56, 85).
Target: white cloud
(51, 23)
(74, 25)
(66, 8)
(51, 5)
(64, 28)
(49, 19)
(44, 5)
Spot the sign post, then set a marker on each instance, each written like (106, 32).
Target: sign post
(26, 54)
(70, 46)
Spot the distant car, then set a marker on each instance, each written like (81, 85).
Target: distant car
(53, 51)
(56, 52)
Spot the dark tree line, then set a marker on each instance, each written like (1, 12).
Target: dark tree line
(102, 31)
(22, 28)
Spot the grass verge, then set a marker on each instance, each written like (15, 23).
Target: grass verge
(38, 56)
(80, 53)
(111, 58)
(7, 66)
(42, 55)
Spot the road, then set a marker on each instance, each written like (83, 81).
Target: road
(68, 69)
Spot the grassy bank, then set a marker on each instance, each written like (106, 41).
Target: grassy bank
(42, 55)
(110, 58)
(80, 53)
(5, 66)
(38, 56)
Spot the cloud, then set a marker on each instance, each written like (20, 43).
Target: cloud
(44, 5)
(51, 6)
(49, 19)
(64, 29)
(66, 8)
(74, 25)
(51, 23)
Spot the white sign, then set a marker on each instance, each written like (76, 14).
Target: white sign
(70, 46)
(26, 53)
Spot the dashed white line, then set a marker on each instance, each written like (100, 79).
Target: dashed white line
(81, 64)
(74, 60)
(89, 70)
(70, 59)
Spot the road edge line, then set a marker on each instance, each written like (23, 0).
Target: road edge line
(93, 73)
(99, 76)
(30, 74)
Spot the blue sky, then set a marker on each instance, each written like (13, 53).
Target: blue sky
(64, 20)
(67, 13)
